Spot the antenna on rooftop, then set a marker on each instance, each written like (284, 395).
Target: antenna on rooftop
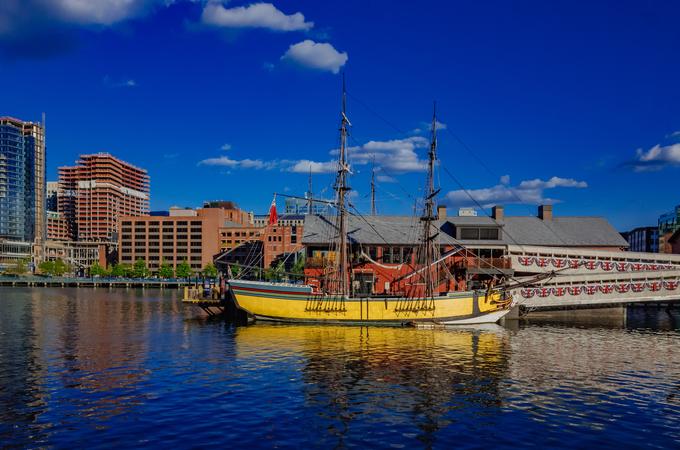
(373, 209)
(309, 192)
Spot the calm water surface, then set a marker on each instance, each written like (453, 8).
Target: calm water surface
(132, 368)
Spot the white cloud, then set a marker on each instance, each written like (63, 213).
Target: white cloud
(554, 182)
(527, 192)
(426, 127)
(96, 12)
(226, 147)
(656, 158)
(320, 56)
(395, 155)
(305, 165)
(385, 179)
(505, 179)
(257, 15)
(225, 161)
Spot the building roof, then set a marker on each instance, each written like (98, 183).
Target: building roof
(368, 230)
(570, 231)
(231, 224)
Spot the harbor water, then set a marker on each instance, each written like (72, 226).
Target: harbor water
(135, 368)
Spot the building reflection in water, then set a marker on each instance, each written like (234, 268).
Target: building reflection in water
(398, 378)
(82, 351)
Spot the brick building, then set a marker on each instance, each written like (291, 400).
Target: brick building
(384, 248)
(194, 236)
(265, 244)
(97, 191)
(57, 227)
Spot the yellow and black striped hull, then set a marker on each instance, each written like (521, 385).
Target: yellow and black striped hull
(296, 303)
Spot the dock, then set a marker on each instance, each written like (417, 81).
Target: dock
(38, 281)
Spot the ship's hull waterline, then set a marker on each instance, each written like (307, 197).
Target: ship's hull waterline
(297, 304)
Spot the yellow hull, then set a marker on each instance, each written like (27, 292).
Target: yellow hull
(291, 303)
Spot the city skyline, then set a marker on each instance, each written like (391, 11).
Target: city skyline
(209, 97)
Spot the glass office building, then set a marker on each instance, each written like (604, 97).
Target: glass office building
(22, 181)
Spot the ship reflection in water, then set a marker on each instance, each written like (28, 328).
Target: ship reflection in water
(132, 368)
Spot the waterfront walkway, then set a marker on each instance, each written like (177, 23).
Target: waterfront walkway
(32, 280)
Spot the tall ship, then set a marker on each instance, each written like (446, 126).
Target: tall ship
(418, 294)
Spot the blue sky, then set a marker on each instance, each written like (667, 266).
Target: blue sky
(573, 103)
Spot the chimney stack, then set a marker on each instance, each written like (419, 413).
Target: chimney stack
(545, 212)
(497, 212)
(441, 212)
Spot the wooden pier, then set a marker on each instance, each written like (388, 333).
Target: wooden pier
(38, 281)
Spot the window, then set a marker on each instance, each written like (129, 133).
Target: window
(469, 233)
(488, 233)
(480, 233)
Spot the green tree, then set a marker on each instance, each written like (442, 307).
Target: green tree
(210, 271)
(183, 270)
(235, 270)
(299, 266)
(60, 268)
(118, 270)
(165, 270)
(46, 267)
(97, 271)
(139, 269)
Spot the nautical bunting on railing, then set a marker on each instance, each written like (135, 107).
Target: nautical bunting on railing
(574, 290)
(528, 293)
(559, 291)
(621, 266)
(542, 262)
(607, 265)
(559, 263)
(637, 287)
(606, 288)
(671, 285)
(525, 260)
(590, 265)
(574, 263)
(622, 288)
(590, 290)
(543, 292)
(654, 286)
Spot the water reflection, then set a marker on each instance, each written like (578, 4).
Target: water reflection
(391, 376)
(131, 368)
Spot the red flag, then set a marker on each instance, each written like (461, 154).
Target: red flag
(273, 217)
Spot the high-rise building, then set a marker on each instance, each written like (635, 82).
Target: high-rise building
(51, 202)
(22, 189)
(97, 191)
(22, 180)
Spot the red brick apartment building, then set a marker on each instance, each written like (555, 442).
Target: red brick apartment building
(97, 191)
